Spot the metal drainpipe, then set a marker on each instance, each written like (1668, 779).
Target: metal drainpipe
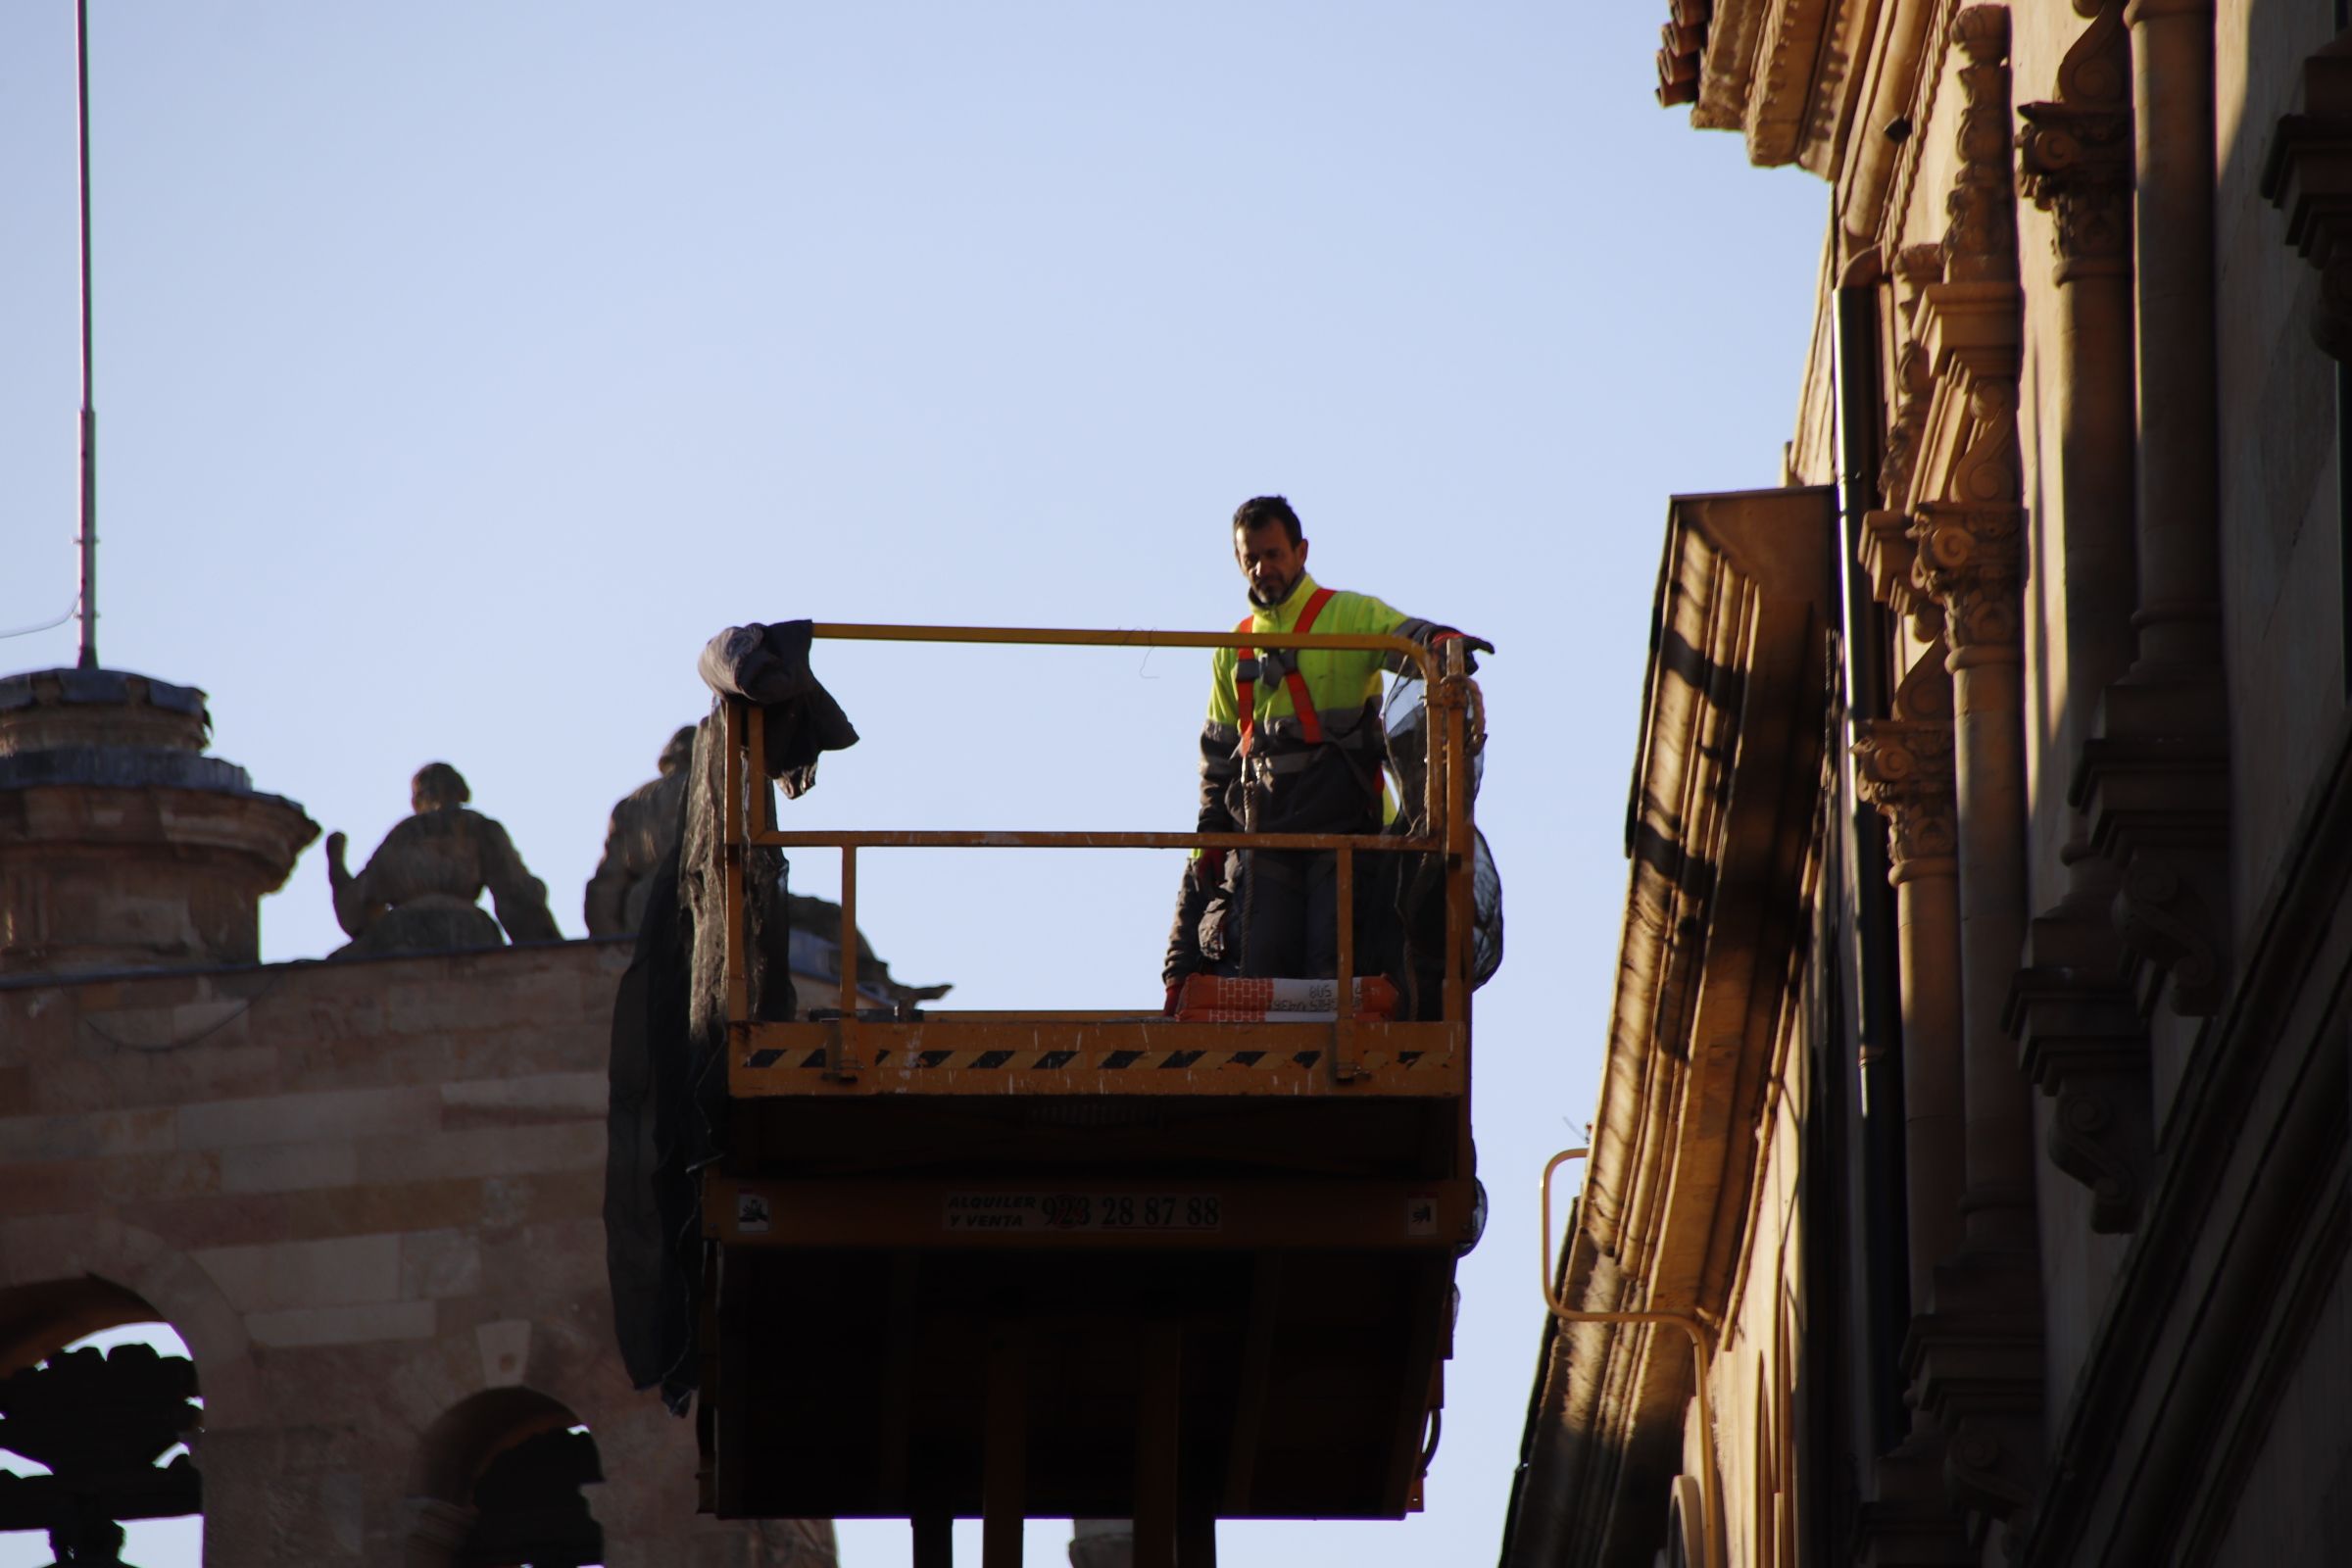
(1701, 1364)
(1878, 984)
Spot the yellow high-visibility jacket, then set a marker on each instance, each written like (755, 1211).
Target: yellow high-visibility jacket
(1323, 777)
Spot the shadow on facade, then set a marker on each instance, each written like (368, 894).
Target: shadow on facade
(498, 1485)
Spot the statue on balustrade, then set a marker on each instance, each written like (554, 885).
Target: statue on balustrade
(644, 827)
(418, 891)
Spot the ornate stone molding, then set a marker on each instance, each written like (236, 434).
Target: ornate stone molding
(1763, 73)
(1914, 385)
(2076, 153)
(2072, 1011)
(2169, 919)
(1980, 238)
(1909, 1522)
(1915, 268)
(2308, 177)
(1926, 689)
(1975, 1361)
(1903, 766)
(2084, 1046)
(2159, 807)
(1991, 1468)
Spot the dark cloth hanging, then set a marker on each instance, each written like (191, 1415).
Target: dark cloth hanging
(770, 664)
(667, 1117)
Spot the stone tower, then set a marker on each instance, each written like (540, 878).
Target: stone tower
(122, 845)
(366, 1195)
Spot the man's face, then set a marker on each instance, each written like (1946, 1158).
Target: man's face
(1272, 564)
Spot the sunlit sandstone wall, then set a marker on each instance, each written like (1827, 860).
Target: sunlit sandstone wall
(363, 1193)
(1759, 1358)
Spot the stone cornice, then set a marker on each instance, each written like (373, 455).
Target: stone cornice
(1764, 74)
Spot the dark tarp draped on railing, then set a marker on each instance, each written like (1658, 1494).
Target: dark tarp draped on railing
(665, 1118)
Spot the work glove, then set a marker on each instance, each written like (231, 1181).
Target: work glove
(1472, 647)
(1175, 993)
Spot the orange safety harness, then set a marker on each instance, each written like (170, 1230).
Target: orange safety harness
(1244, 677)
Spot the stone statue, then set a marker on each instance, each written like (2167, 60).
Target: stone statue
(416, 892)
(644, 827)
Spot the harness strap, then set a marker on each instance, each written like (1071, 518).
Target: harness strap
(1245, 679)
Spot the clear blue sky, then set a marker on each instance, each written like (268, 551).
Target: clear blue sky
(463, 367)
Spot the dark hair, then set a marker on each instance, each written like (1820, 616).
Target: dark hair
(441, 782)
(1260, 511)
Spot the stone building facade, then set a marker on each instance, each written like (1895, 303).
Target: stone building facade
(1976, 1090)
(366, 1193)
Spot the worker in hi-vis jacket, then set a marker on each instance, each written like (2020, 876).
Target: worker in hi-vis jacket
(1292, 745)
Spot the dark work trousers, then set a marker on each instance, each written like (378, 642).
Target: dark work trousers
(1293, 902)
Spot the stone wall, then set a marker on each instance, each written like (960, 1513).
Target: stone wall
(367, 1196)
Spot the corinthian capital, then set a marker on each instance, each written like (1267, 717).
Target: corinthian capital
(1972, 559)
(1903, 766)
(2076, 153)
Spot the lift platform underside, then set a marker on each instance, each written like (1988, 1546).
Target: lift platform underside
(921, 1281)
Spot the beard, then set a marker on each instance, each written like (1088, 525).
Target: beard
(1272, 598)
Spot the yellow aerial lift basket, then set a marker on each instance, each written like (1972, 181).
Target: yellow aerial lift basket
(1087, 1264)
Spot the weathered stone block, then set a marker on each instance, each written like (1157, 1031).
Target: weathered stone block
(343, 1325)
(483, 1151)
(47, 1187)
(288, 1167)
(335, 1113)
(439, 1263)
(538, 1097)
(146, 1130)
(335, 1272)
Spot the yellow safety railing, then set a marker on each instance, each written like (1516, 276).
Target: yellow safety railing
(1447, 690)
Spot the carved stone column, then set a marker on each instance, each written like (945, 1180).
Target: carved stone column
(1903, 766)
(2072, 1009)
(2075, 157)
(1974, 1356)
(1971, 559)
(2156, 783)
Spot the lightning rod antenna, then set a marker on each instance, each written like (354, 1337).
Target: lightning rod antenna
(89, 411)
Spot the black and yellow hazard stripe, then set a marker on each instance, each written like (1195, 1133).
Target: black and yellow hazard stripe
(1004, 1060)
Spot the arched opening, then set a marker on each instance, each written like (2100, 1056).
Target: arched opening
(98, 1400)
(498, 1485)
